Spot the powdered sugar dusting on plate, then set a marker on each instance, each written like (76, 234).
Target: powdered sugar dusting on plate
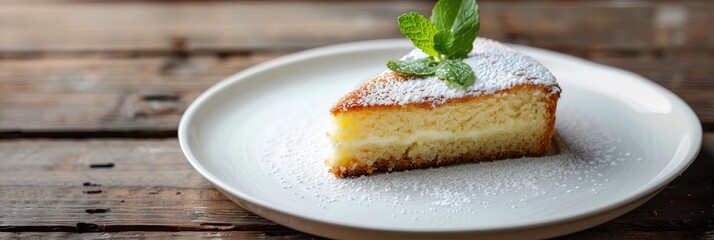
(298, 147)
(496, 67)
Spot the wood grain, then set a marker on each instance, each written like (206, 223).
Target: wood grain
(107, 93)
(53, 26)
(135, 26)
(160, 235)
(600, 25)
(51, 186)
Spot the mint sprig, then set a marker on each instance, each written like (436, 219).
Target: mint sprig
(447, 38)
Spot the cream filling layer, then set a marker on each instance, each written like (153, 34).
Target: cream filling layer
(430, 135)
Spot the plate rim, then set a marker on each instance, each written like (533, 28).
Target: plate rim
(342, 48)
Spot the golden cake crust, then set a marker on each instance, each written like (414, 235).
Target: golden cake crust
(345, 104)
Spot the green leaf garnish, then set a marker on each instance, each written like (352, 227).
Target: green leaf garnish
(420, 30)
(455, 72)
(417, 67)
(443, 41)
(447, 37)
(461, 17)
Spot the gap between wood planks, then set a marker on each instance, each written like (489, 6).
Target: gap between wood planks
(286, 234)
(84, 134)
(82, 227)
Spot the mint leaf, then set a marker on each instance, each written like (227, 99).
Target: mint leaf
(456, 72)
(443, 41)
(444, 13)
(461, 17)
(465, 29)
(420, 30)
(418, 67)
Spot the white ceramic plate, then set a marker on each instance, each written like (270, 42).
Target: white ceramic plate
(259, 137)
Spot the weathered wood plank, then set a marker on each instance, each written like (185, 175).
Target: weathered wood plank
(124, 209)
(107, 94)
(146, 185)
(286, 234)
(113, 184)
(636, 234)
(137, 26)
(109, 163)
(90, 26)
(641, 25)
(150, 93)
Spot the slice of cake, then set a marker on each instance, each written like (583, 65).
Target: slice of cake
(396, 122)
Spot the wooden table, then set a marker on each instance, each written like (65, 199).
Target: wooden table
(91, 93)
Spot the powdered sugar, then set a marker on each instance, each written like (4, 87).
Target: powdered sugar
(298, 147)
(496, 67)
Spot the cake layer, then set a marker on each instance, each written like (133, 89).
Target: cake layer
(510, 123)
(423, 152)
(461, 115)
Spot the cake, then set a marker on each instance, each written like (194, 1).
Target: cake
(397, 122)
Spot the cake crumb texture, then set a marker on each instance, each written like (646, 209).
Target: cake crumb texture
(510, 123)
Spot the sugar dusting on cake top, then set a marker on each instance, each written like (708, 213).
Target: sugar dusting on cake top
(496, 67)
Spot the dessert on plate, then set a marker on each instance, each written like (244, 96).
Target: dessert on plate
(431, 109)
